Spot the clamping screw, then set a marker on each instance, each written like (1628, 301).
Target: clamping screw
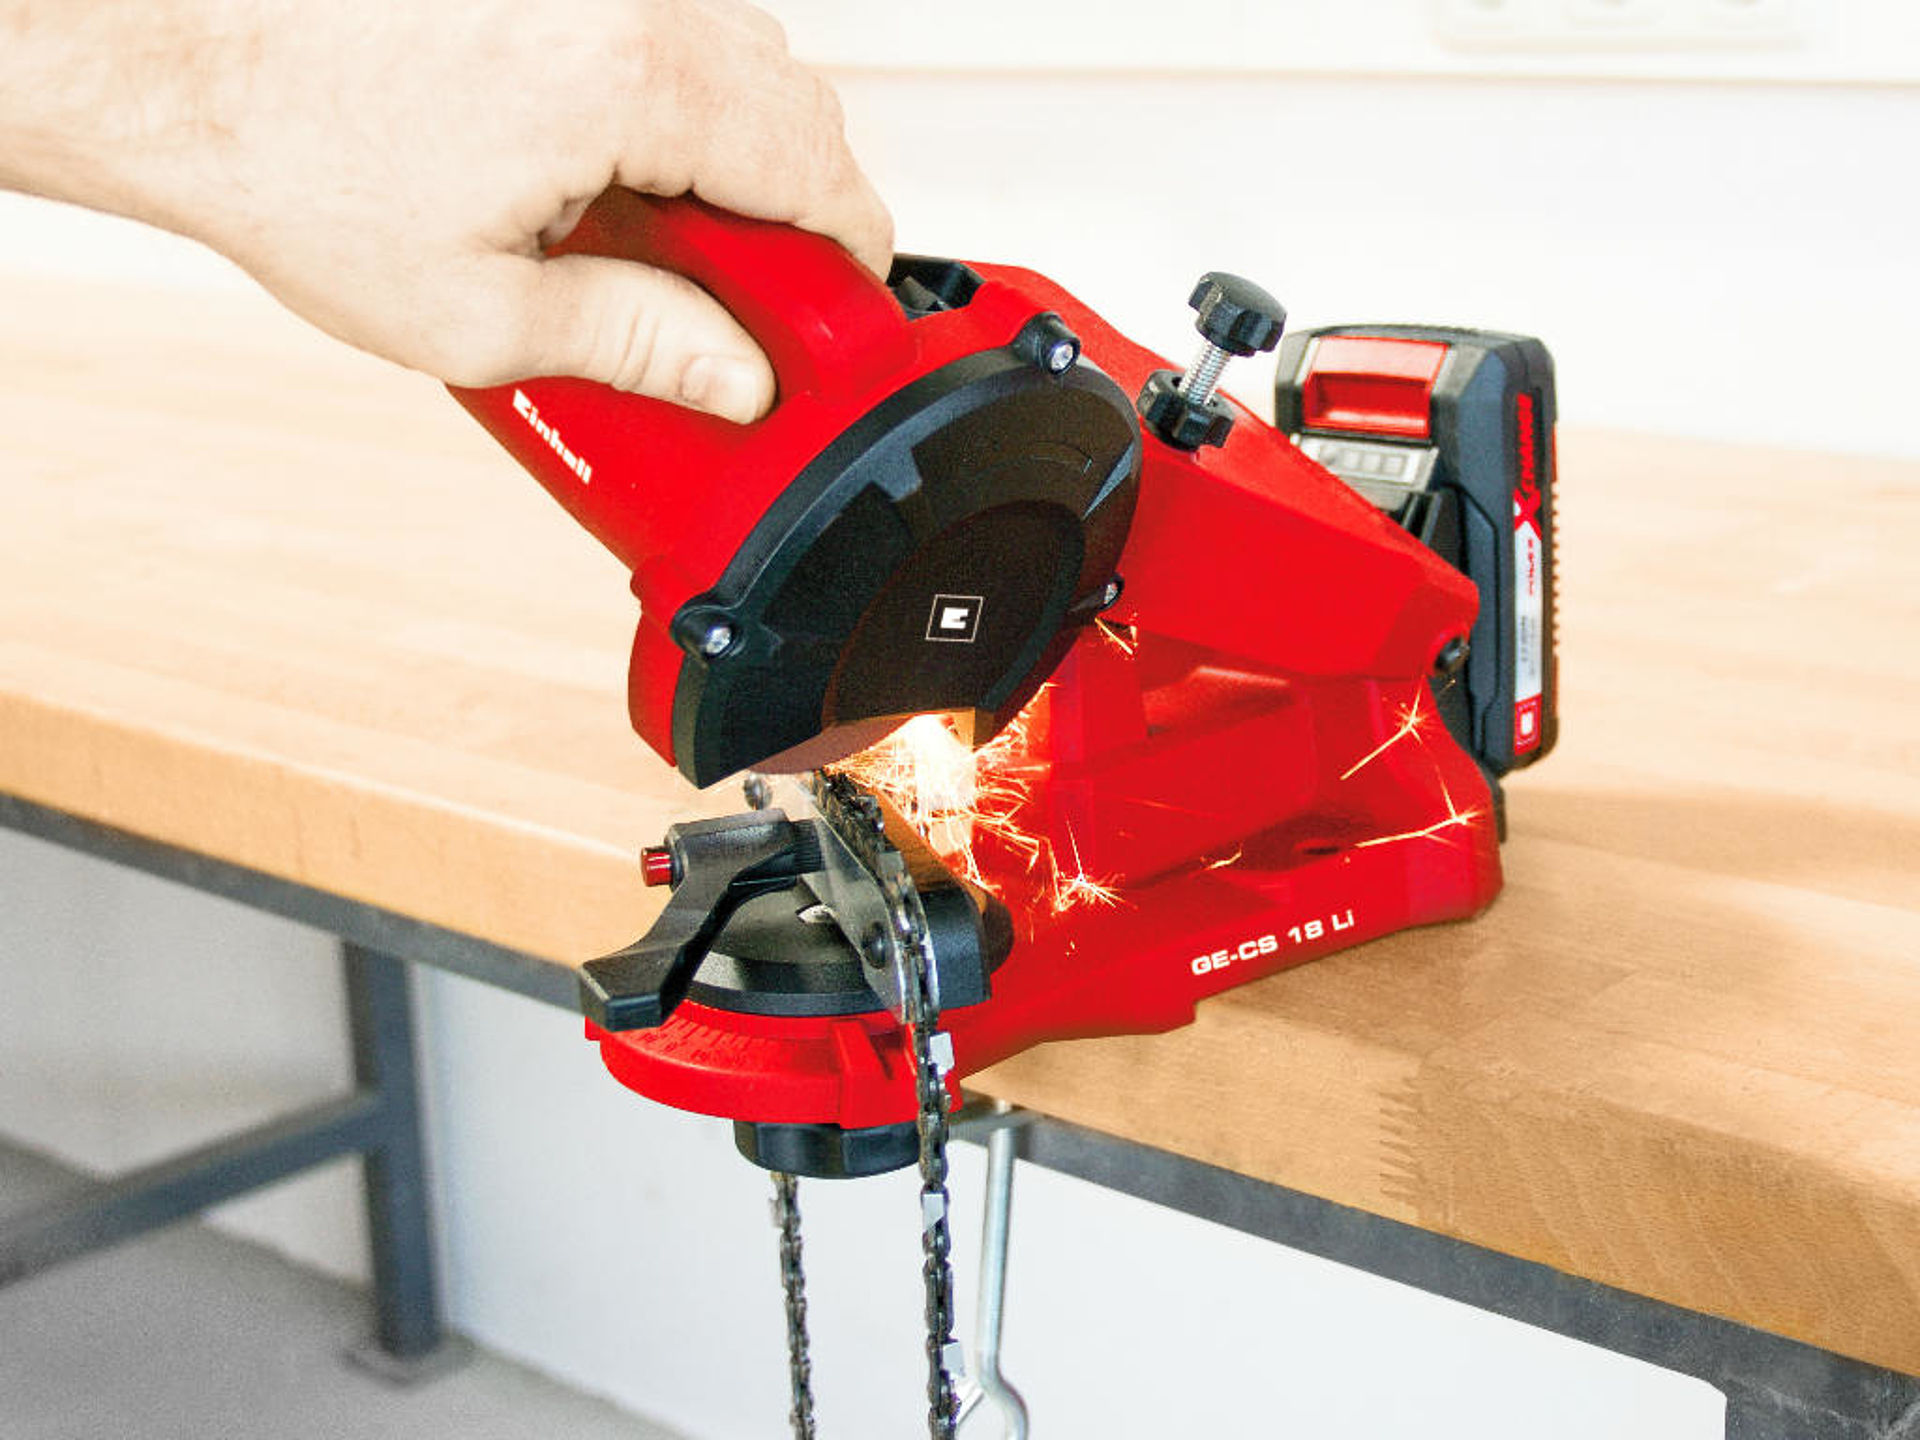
(1234, 317)
(717, 640)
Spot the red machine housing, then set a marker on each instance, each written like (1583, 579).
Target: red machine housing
(676, 494)
(1247, 754)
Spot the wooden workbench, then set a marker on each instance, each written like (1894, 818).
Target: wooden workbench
(271, 601)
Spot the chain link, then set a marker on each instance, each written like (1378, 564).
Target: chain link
(932, 1059)
(793, 1285)
(936, 1239)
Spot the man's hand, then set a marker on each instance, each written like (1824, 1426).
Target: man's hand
(392, 171)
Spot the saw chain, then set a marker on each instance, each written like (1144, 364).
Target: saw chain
(855, 820)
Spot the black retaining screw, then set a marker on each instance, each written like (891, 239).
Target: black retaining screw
(1046, 341)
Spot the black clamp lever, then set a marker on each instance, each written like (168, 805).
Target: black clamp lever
(719, 865)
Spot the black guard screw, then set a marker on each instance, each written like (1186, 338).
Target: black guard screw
(1046, 341)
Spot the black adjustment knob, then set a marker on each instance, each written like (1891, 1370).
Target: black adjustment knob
(1234, 317)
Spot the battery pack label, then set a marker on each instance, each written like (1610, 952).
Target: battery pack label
(1529, 583)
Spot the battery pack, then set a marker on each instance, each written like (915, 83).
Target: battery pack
(1450, 431)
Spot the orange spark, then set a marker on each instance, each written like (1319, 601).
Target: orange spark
(1072, 890)
(1079, 888)
(1124, 636)
(1454, 819)
(952, 796)
(1435, 831)
(1411, 717)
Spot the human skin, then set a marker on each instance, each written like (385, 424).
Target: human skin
(393, 169)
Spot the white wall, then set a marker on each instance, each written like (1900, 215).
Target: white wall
(1727, 259)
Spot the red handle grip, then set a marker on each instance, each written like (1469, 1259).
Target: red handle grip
(826, 322)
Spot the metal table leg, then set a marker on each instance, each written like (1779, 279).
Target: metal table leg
(109, 1212)
(408, 1342)
(380, 1120)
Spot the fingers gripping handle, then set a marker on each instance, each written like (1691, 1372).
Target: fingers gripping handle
(826, 322)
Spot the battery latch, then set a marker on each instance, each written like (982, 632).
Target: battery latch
(1371, 385)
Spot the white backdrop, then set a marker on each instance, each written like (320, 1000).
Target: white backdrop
(1729, 259)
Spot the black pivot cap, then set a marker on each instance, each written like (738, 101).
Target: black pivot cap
(1236, 314)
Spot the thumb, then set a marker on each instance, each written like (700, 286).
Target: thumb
(640, 329)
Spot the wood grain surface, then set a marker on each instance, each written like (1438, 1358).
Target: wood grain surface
(274, 601)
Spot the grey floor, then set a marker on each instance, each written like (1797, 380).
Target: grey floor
(191, 1335)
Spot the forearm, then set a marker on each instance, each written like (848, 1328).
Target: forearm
(395, 171)
(120, 105)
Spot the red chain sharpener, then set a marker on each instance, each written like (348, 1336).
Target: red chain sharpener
(952, 504)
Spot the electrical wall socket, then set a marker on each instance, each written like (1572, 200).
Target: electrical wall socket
(1574, 25)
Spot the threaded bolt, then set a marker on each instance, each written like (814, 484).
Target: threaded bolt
(1203, 375)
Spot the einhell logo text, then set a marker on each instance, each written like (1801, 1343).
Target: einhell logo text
(523, 407)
